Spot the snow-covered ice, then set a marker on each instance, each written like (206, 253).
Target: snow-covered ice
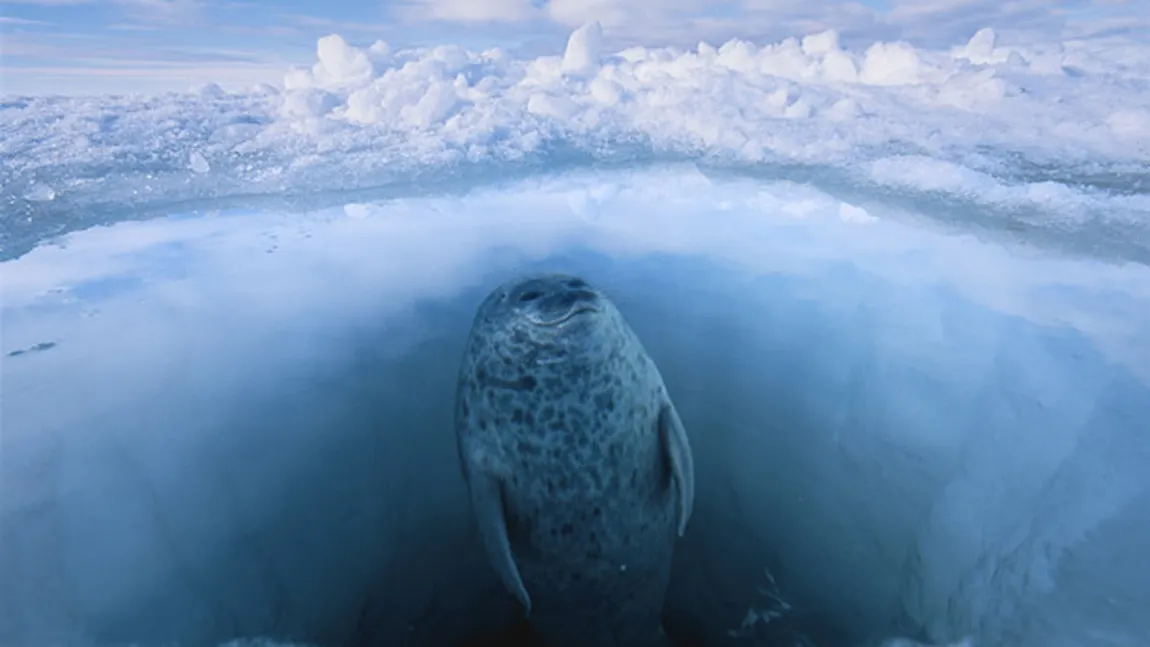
(1045, 132)
(900, 296)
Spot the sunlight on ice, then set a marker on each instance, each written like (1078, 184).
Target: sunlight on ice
(583, 50)
(372, 117)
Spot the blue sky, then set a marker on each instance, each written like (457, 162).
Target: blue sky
(86, 46)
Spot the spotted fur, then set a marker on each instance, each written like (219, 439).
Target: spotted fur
(559, 430)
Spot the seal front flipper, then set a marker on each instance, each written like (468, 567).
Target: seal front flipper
(673, 438)
(487, 501)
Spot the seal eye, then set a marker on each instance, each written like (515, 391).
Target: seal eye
(529, 296)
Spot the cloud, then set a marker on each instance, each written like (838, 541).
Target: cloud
(131, 26)
(568, 13)
(47, 3)
(93, 50)
(919, 12)
(225, 72)
(466, 11)
(954, 19)
(165, 12)
(23, 22)
(628, 22)
(540, 26)
(339, 26)
(162, 12)
(655, 23)
(685, 22)
(263, 30)
(79, 75)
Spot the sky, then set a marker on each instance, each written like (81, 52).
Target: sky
(98, 46)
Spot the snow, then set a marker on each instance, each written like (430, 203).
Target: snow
(899, 296)
(373, 118)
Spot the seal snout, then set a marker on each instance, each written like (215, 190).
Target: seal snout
(573, 298)
(555, 300)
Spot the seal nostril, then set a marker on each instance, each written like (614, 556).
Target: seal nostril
(529, 296)
(566, 300)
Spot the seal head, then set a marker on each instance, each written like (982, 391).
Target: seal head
(578, 466)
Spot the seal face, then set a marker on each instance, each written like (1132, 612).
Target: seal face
(578, 466)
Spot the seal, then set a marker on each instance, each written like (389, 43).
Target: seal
(578, 466)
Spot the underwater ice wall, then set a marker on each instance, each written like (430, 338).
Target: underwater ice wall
(213, 441)
(925, 433)
(239, 425)
(913, 461)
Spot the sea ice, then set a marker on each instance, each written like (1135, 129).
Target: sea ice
(373, 118)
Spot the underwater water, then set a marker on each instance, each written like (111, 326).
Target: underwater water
(916, 379)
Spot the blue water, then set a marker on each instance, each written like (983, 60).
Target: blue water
(237, 425)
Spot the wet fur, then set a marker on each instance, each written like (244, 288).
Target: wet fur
(586, 488)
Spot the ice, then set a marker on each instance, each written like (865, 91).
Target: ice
(892, 64)
(198, 164)
(40, 193)
(899, 296)
(340, 63)
(242, 429)
(981, 49)
(1135, 123)
(209, 91)
(366, 116)
(821, 43)
(583, 50)
(906, 642)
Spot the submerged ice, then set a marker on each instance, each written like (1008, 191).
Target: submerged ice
(238, 424)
